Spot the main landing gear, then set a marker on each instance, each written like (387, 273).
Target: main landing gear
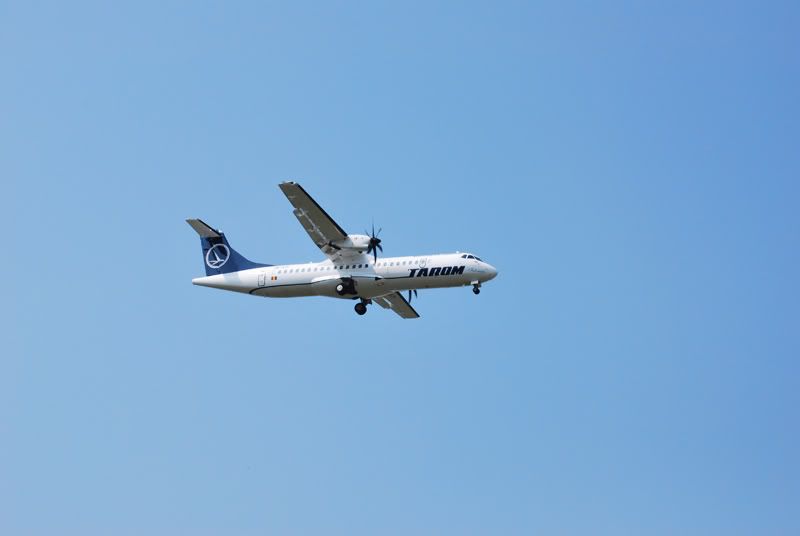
(361, 307)
(347, 286)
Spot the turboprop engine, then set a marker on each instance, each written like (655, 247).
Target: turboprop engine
(360, 243)
(353, 242)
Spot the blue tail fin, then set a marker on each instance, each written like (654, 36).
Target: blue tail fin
(218, 255)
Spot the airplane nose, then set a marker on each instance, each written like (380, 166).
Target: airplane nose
(492, 272)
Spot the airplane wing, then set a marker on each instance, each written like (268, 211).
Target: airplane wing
(319, 226)
(397, 303)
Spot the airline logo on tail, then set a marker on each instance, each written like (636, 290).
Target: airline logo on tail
(217, 256)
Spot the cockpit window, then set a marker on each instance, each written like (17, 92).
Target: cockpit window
(477, 259)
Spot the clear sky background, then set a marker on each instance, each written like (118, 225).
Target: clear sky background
(630, 168)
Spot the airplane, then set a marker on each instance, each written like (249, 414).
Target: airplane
(352, 269)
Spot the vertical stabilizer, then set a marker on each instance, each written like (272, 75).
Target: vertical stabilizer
(218, 255)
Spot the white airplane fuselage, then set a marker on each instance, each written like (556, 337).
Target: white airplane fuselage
(354, 269)
(370, 278)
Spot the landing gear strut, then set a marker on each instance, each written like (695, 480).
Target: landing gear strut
(361, 307)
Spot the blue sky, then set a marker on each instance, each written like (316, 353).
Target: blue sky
(630, 168)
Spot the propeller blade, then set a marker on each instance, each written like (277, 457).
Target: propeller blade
(374, 242)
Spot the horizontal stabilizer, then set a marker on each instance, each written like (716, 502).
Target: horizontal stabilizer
(202, 228)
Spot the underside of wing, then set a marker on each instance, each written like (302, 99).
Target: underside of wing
(322, 229)
(397, 303)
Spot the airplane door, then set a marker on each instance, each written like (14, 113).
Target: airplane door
(262, 279)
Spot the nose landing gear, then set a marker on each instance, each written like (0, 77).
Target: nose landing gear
(476, 288)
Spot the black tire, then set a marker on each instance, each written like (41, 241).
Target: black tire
(361, 308)
(476, 290)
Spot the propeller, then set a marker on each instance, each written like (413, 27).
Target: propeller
(409, 294)
(374, 243)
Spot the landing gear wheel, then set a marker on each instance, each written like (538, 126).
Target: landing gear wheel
(361, 308)
(476, 289)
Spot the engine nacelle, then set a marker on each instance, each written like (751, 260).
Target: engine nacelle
(353, 242)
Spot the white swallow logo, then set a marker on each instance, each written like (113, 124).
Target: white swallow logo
(217, 256)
